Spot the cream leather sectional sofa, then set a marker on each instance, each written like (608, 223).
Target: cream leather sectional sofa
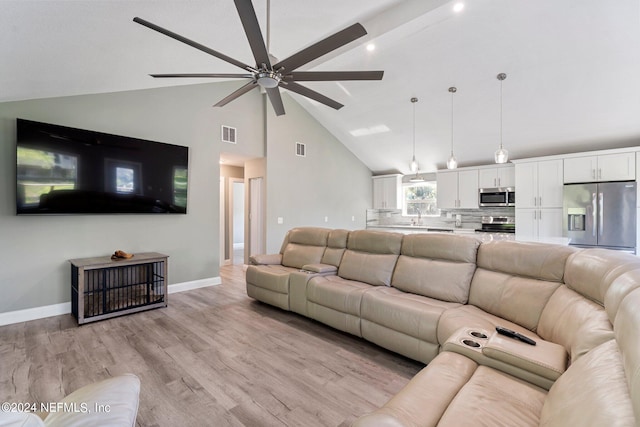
(437, 298)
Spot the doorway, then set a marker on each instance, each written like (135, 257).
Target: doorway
(237, 221)
(256, 216)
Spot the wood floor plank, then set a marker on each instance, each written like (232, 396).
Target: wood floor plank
(214, 356)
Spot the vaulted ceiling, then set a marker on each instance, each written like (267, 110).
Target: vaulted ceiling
(572, 67)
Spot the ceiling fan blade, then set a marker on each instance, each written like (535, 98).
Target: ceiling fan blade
(252, 30)
(321, 48)
(276, 100)
(305, 91)
(205, 75)
(191, 43)
(237, 93)
(302, 76)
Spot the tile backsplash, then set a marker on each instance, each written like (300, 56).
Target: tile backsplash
(471, 218)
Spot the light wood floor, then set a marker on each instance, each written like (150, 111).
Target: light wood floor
(214, 357)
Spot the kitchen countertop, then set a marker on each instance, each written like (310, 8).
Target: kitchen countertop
(423, 228)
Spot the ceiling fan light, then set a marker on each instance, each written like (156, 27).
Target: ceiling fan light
(501, 155)
(452, 163)
(268, 79)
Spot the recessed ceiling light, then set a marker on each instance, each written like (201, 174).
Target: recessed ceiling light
(458, 7)
(371, 47)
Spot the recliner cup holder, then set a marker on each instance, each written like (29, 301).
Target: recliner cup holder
(478, 335)
(471, 343)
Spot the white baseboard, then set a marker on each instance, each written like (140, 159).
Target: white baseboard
(27, 314)
(18, 316)
(194, 284)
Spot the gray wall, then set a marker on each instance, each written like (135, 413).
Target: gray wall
(34, 251)
(329, 182)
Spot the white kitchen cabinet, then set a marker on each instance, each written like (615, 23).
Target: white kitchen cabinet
(539, 184)
(458, 189)
(606, 167)
(387, 192)
(538, 224)
(496, 177)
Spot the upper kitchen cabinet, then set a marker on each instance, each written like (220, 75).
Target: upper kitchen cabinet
(387, 192)
(497, 177)
(606, 167)
(539, 184)
(458, 189)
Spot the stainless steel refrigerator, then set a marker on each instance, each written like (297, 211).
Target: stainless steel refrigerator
(601, 215)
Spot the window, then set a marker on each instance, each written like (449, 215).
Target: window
(420, 199)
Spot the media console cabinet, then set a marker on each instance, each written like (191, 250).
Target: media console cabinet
(102, 288)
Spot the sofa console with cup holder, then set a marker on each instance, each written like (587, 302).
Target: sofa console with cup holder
(569, 355)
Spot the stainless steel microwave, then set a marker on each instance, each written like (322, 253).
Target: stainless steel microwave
(497, 197)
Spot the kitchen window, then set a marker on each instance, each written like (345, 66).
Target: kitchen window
(420, 198)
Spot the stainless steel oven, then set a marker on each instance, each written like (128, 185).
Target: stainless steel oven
(497, 197)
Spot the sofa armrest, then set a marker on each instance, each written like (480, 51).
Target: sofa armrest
(320, 268)
(547, 359)
(266, 259)
(541, 364)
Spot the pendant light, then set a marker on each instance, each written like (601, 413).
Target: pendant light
(414, 163)
(452, 163)
(501, 155)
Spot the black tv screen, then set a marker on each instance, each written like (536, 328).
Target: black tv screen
(62, 170)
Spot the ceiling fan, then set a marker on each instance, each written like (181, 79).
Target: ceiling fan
(282, 74)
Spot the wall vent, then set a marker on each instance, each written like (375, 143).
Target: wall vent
(229, 134)
(301, 149)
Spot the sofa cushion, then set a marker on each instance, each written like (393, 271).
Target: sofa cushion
(370, 257)
(426, 397)
(272, 277)
(591, 271)
(375, 242)
(304, 245)
(336, 245)
(534, 260)
(592, 392)
(437, 266)
(627, 327)
(454, 391)
(517, 299)
(413, 315)
(296, 255)
(571, 320)
(337, 293)
(619, 289)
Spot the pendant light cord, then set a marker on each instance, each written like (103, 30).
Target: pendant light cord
(413, 101)
(501, 113)
(452, 92)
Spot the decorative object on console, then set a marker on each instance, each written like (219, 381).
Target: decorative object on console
(414, 163)
(121, 255)
(501, 155)
(452, 163)
(269, 73)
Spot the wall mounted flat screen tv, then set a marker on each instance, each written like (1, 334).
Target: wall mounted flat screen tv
(62, 170)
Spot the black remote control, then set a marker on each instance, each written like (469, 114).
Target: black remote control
(515, 335)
